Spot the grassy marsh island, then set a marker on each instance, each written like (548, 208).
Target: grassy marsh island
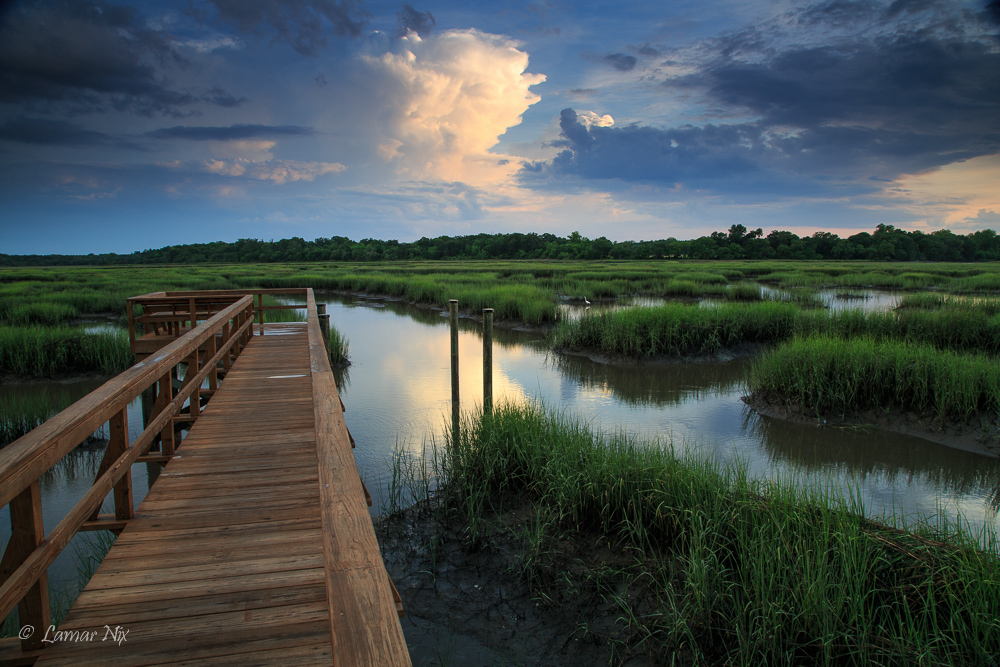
(634, 554)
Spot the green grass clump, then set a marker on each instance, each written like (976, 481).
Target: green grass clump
(825, 375)
(677, 329)
(338, 347)
(729, 571)
(36, 351)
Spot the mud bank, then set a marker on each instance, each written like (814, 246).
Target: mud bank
(728, 354)
(982, 436)
(477, 607)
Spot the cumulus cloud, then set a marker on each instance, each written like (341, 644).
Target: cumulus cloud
(448, 99)
(304, 24)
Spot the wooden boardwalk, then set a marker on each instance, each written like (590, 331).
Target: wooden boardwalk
(254, 546)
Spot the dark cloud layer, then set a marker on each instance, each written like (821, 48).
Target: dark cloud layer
(304, 24)
(410, 20)
(229, 133)
(900, 88)
(42, 131)
(621, 61)
(71, 57)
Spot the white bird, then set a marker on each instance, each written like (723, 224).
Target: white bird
(586, 301)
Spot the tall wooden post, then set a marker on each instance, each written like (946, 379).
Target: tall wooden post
(487, 361)
(453, 317)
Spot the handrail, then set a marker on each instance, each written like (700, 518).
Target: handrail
(30, 552)
(364, 625)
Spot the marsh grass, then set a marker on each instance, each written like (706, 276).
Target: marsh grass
(824, 374)
(338, 347)
(720, 569)
(680, 330)
(519, 291)
(37, 351)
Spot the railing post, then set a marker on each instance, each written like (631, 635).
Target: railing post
(167, 434)
(453, 318)
(324, 321)
(27, 532)
(193, 308)
(260, 311)
(487, 361)
(117, 444)
(227, 359)
(213, 375)
(130, 311)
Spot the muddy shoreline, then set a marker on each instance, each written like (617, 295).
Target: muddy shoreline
(982, 436)
(476, 607)
(727, 354)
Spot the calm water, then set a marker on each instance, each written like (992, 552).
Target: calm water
(397, 393)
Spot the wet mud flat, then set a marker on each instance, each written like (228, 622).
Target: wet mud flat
(980, 436)
(502, 603)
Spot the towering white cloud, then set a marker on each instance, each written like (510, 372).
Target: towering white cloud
(454, 94)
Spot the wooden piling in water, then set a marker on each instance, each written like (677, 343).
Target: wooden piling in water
(453, 318)
(487, 360)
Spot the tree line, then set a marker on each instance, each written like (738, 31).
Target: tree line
(885, 243)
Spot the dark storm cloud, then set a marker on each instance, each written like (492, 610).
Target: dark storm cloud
(230, 133)
(637, 153)
(79, 57)
(909, 87)
(42, 131)
(410, 20)
(304, 24)
(992, 12)
(621, 61)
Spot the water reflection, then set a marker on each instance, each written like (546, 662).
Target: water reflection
(399, 392)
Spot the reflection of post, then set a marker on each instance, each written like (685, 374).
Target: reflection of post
(487, 361)
(453, 317)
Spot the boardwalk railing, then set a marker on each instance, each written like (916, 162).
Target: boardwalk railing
(206, 352)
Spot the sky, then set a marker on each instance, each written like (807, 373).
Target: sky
(134, 125)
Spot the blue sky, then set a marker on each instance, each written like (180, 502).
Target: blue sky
(133, 125)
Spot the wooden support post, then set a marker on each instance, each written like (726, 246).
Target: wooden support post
(324, 321)
(166, 394)
(130, 311)
(260, 313)
(453, 317)
(117, 444)
(193, 312)
(213, 375)
(27, 532)
(192, 371)
(487, 361)
(227, 360)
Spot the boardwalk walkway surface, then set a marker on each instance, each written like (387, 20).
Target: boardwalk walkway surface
(250, 549)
